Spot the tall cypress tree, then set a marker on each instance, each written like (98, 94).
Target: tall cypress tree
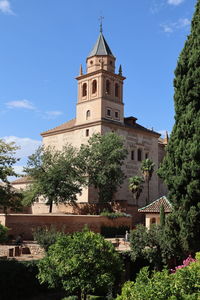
(181, 166)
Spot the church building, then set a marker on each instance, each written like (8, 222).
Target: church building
(100, 109)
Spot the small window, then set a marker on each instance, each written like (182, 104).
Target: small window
(108, 112)
(139, 154)
(116, 90)
(87, 114)
(108, 87)
(91, 62)
(94, 86)
(111, 62)
(87, 133)
(132, 155)
(153, 221)
(146, 155)
(84, 90)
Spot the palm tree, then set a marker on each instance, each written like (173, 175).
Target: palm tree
(136, 186)
(147, 168)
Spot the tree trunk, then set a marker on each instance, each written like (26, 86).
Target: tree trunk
(147, 191)
(50, 206)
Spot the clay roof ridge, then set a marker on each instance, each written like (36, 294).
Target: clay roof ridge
(154, 202)
(57, 127)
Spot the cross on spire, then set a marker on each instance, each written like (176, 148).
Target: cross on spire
(101, 19)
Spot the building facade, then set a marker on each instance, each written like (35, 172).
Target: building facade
(100, 109)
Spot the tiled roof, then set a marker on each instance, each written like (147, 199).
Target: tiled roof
(66, 125)
(24, 179)
(155, 206)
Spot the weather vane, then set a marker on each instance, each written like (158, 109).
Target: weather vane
(101, 19)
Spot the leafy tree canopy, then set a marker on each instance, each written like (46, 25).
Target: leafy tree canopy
(183, 285)
(81, 263)
(7, 160)
(9, 197)
(181, 166)
(57, 175)
(103, 158)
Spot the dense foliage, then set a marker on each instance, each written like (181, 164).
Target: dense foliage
(9, 197)
(149, 244)
(181, 167)
(57, 175)
(136, 187)
(182, 285)
(103, 158)
(81, 263)
(114, 214)
(18, 280)
(45, 236)
(3, 233)
(147, 168)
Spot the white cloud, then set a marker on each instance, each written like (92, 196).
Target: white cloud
(174, 26)
(52, 114)
(175, 2)
(19, 169)
(27, 145)
(5, 7)
(20, 104)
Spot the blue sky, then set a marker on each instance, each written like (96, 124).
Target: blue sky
(44, 42)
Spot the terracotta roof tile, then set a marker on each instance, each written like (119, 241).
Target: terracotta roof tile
(66, 125)
(154, 207)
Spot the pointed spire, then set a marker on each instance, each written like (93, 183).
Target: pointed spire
(120, 70)
(101, 47)
(81, 70)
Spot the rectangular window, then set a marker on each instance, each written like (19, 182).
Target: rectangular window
(87, 133)
(139, 154)
(108, 112)
(146, 155)
(132, 155)
(116, 115)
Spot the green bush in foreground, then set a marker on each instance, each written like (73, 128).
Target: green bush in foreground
(182, 285)
(81, 263)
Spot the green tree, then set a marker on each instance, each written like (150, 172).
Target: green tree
(181, 166)
(147, 168)
(103, 158)
(81, 263)
(162, 216)
(9, 197)
(147, 244)
(7, 160)
(136, 186)
(57, 175)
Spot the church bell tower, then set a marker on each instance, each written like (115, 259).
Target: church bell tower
(100, 90)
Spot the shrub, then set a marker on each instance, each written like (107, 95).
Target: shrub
(114, 215)
(81, 263)
(46, 236)
(182, 285)
(3, 234)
